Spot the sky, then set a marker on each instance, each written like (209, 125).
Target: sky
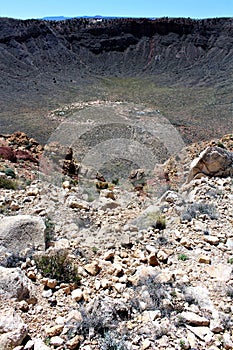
(25, 9)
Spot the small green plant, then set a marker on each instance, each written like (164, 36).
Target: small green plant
(47, 341)
(10, 172)
(173, 293)
(28, 182)
(57, 264)
(74, 182)
(182, 257)
(115, 181)
(94, 249)
(230, 261)
(182, 343)
(220, 144)
(8, 184)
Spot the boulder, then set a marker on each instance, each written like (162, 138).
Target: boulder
(213, 161)
(147, 218)
(15, 284)
(201, 296)
(21, 233)
(12, 330)
(221, 272)
(203, 333)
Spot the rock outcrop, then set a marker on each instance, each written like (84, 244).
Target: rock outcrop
(213, 161)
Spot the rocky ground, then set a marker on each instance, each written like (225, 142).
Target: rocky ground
(122, 270)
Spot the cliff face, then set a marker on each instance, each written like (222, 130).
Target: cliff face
(120, 46)
(45, 64)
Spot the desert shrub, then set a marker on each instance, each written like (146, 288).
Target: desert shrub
(226, 320)
(112, 341)
(157, 291)
(101, 316)
(57, 264)
(183, 344)
(93, 322)
(160, 222)
(161, 240)
(196, 209)
(95, 249)
(156, 220)
(8, 184)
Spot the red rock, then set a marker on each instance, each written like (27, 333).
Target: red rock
(24, 155)
(6, 152)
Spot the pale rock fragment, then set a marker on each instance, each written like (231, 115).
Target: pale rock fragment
(194, 319)
(77, 294)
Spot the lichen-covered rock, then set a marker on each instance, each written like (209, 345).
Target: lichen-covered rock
(12, 330)
(15, 284)
(21, 233)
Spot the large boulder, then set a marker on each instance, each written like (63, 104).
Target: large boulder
(20, 234)
(15, 284)
(12, 330)
(213, 161)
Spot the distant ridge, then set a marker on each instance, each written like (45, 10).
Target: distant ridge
(62, 18)
(56, 18)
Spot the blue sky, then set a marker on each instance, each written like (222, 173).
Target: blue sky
(123, 8)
